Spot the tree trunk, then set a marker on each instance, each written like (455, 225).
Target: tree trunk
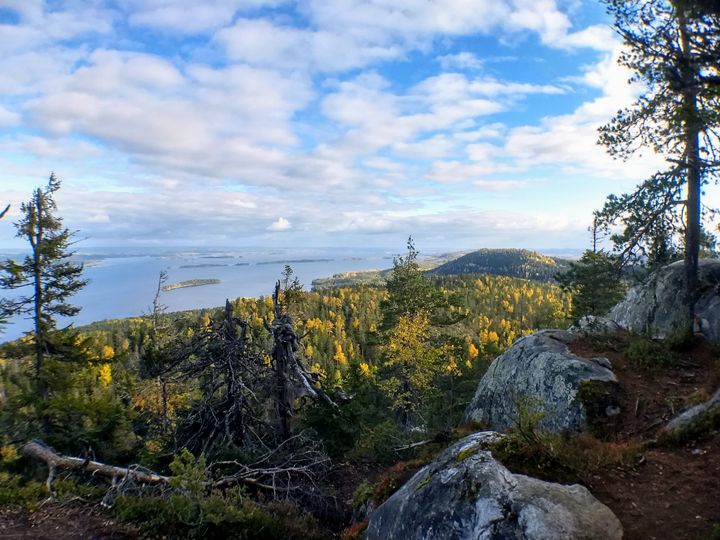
(691, 137)
(38, 450)
(36, 241)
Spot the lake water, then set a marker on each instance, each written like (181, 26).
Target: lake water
(123, 281)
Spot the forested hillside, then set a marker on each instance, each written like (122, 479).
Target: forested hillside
(519, 263)
(340, 326)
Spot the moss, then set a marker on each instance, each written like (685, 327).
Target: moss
(697, 397)
(424, 481)
(464, 454)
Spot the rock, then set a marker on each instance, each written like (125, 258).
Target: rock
(693, 420)
(592, 325)
(540, 371)
(466, 494)
(656, 307)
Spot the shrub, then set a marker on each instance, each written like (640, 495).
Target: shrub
(195, 511)
(217, 515)
(557, 457)
(16, 492)
(362, 494)
(355, 531)
(646, 354)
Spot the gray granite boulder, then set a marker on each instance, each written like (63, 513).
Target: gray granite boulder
(594, 325)
(656, 307)
(540, 372)
(466, 494)
(694, 420)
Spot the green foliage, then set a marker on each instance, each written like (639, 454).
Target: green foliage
(556, 457)
(195, 510)
(378, 443)
(646, 354)
(15, 491)
(672, 49)
(219, 515)
(47, 271)
(681, 338)
(362, 494)
(409, 290)
(594, 282)
(411, 364)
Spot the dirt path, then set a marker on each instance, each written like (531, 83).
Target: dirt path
(674, 494)
(54, 522)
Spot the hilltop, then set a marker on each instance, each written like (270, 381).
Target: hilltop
(519, 263)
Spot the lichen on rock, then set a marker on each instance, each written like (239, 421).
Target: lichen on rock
(541, 369)
(466, 493)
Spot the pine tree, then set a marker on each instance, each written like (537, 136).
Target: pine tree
(672, 47)
(47, 271)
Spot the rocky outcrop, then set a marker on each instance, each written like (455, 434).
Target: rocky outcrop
(694, 420)
(540, 372)
(656, 307)
(593, 325)
(466, 494)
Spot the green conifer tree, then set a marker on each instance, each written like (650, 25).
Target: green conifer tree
(47, 272)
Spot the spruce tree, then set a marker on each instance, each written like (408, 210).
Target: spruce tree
(47, 273)
(594, 282)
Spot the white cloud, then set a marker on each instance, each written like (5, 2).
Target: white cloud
(240, 123)
(189, 16)
(281, 224)
(500, 185)
(463, 60)
(346, 34)
(8, 118)
(40, 25)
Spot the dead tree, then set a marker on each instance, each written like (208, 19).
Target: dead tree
(292, 380)
(229, 371)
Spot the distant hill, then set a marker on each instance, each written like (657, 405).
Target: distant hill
(519, 263)
(378, 278)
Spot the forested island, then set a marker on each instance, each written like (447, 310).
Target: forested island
(190, 283)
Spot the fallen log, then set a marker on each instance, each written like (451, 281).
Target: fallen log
(39, 450)
(244, 476)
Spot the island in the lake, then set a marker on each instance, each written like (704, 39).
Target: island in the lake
(190, 283)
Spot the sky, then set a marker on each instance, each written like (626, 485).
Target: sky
(464, 123)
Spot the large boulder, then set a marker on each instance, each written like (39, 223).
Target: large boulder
(657, 306)
(466, 494)
(540, 373)
(696, 419)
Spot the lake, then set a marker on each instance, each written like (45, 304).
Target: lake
(123, 281)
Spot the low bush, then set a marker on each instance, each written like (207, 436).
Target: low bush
(557, 457)
(193, 510)
(648, 355)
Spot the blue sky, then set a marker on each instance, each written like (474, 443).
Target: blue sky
(466, 123)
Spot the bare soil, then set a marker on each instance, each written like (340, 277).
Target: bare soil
(674, 492)
(62, 522)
